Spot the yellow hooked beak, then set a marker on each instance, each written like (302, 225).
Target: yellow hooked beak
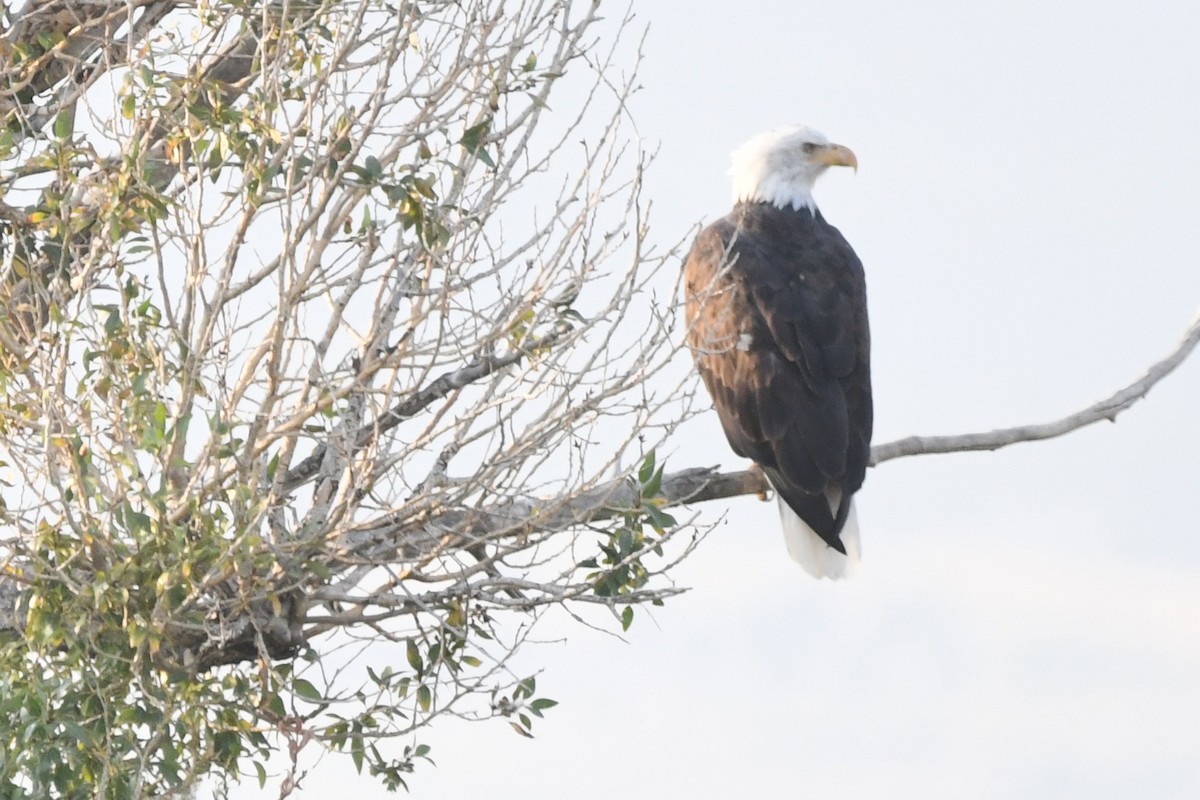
(836, 155)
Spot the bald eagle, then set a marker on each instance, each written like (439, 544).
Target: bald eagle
(777, 321)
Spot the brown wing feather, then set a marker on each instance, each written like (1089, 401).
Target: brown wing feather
(776, 309)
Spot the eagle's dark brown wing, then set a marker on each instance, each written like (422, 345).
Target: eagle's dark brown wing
(777, 315)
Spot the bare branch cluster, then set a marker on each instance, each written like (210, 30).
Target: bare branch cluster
(313, 317)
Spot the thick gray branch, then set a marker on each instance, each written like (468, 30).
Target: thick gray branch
(400, 534)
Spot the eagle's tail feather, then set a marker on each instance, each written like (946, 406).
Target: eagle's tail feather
(813, 553)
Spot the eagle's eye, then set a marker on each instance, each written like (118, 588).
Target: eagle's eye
(808, 147)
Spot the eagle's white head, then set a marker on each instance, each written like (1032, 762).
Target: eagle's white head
(781, 166)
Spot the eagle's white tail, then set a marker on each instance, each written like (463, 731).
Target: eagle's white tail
(818, 558)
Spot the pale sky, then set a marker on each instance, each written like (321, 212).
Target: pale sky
(1027, 622)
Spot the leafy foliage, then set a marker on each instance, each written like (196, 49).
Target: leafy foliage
(299, 352)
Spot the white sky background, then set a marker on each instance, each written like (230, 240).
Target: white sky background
(1027, 622)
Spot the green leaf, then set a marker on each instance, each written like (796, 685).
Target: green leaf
(530, 63)
(48, 39)
(647, 469)
(626, 618)
(112, 323)
(473, 139)
(652, 487)
(659, 518)
(320, 569)
(541, 704)
(424, 697)
(414, 657)
(625, 542)
(424, 187)
(64, 123)
(77, 733)
(137, 522)
(306, 690)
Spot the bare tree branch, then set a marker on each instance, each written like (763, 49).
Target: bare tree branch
(1106, 409)
(418, 401)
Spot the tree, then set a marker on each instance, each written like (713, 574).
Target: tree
(321, 330)
(313, 325)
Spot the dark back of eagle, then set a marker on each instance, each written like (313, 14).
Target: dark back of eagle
(777, 319)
